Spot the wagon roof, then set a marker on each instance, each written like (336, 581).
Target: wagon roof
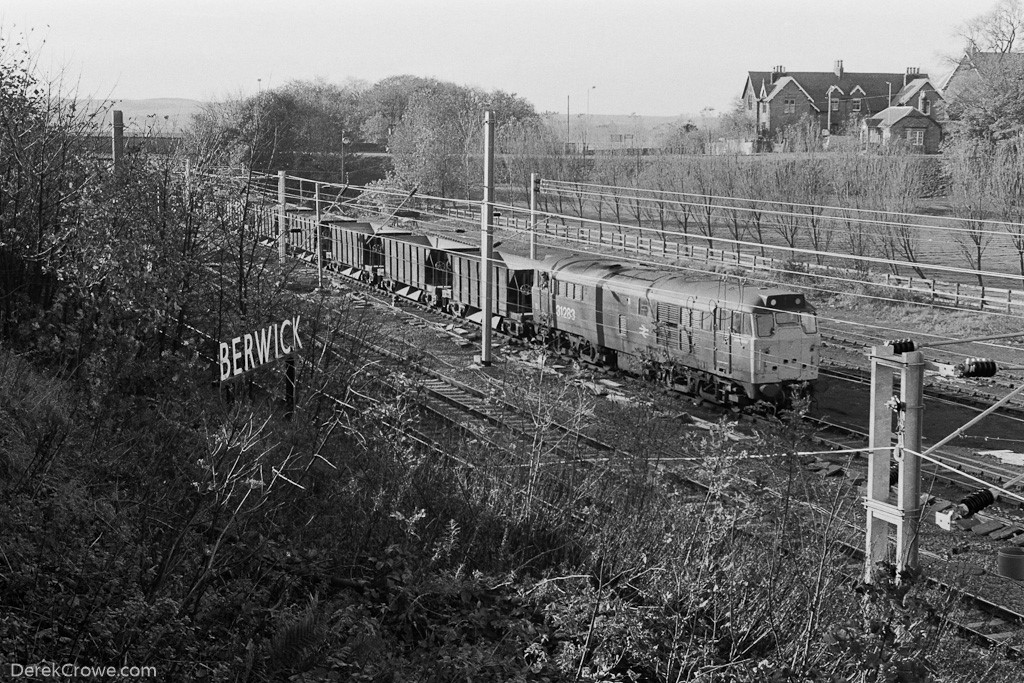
(515, 262)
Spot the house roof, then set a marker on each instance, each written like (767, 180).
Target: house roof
(876, 86)
(892, 115)
(910, 90)
(782, 83)
(974, 64)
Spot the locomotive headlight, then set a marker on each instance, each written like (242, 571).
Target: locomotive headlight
(766, 350)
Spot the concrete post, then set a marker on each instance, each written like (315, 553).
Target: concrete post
(486, 240)
(909, 493)
(282, 218)
(905, 513)
(117, 143)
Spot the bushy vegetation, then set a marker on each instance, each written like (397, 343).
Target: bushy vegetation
(151, 517)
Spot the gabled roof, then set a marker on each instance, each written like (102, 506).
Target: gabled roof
(974, 65)
(892, 115)
(875, 86)
(781, 84)
(910, 90)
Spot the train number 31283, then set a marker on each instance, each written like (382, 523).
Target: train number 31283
(565, 312)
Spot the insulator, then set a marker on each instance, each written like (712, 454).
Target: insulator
(902, 345)
(979, 500)
(976, 367)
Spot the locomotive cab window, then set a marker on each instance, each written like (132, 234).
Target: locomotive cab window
(809, 323)
(765, 323)
(786, 319)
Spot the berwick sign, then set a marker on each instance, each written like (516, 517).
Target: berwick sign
(254, 349)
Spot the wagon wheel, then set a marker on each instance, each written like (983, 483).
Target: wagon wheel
(706, 390)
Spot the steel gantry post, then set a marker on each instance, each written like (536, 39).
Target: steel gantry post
(905, 512)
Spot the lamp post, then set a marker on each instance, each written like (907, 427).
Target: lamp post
(345, 140)
(586, 131)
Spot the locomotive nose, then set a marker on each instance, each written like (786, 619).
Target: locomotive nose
(789, 361)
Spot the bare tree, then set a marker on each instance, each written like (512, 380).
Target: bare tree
(1007, 178)
(997, 30)
(969, 166)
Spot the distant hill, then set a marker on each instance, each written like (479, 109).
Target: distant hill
(160, 116)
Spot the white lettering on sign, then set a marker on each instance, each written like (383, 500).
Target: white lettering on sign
(253, 349)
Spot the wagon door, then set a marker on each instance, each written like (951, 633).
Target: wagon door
(723, 341)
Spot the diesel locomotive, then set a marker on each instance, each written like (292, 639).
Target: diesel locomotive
(712, 337)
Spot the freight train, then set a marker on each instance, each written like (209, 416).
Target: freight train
(727, 342)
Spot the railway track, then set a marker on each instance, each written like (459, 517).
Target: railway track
(479, 414)
(942, 387)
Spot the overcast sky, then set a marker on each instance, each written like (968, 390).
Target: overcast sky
(651, 57)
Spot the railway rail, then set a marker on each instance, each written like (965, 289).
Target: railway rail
(451, 402)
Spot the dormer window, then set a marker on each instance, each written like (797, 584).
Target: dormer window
(924, 104)
(835, 105)
(855, 105)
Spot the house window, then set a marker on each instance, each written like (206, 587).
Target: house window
(835, 105)
(915, 137)
(750, 101)
(789, 106)
(925, 106)
(856, 105)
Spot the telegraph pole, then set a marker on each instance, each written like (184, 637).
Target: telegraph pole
(486, 240)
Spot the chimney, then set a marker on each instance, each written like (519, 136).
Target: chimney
(838, 68)
(778, 72)
(912, 73)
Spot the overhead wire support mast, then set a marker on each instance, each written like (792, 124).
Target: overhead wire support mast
(905, 513)
(486, 240)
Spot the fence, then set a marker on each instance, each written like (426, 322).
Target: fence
(957, 295)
